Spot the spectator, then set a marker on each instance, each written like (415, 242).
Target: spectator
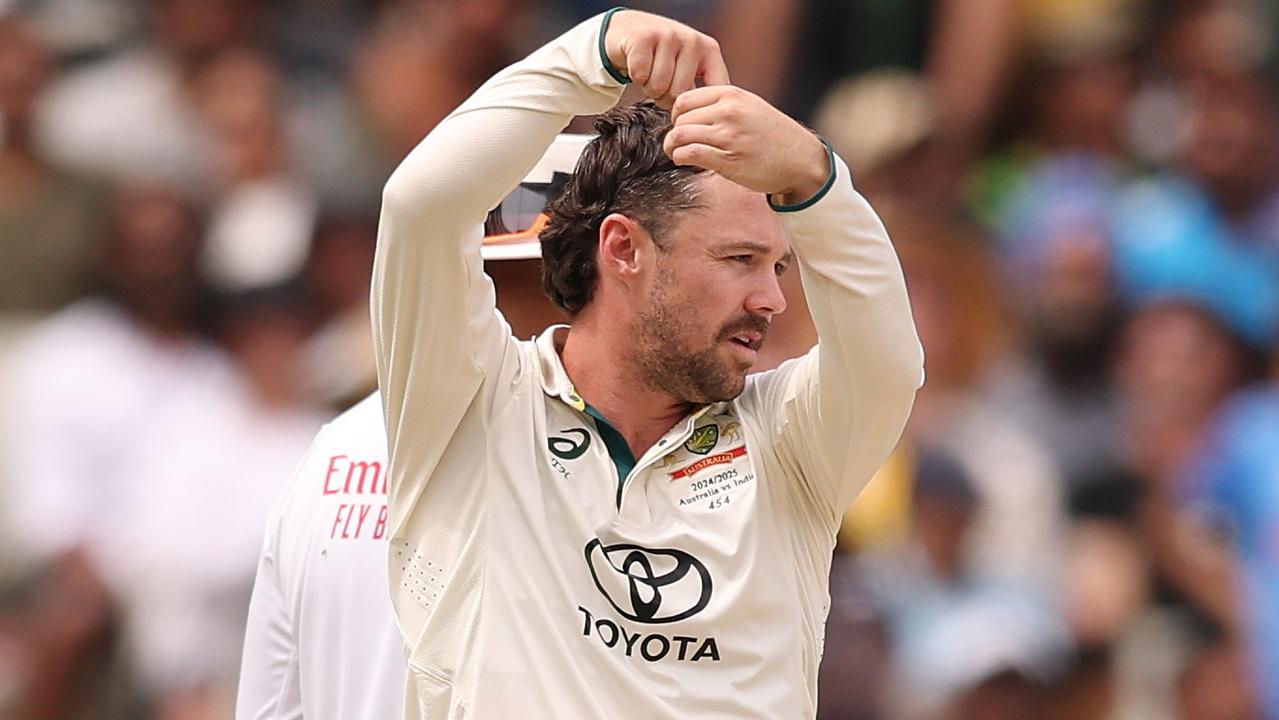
(49, 218)
(956, 628)
(131, 115)
(212, 473)
(261, 215)
(1018, 529)
(339, 356)
(84, 439)
(419, 60)
(1233, 481)
(1057, 263)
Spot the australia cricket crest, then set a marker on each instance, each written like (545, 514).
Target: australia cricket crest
(703, 439)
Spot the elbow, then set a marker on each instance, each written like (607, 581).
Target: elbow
(900, 369)
(900, 380)
(901, 388)
(904, 355)
(408, 194)
(399, 193)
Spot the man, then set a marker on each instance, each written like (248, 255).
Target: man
(613, 520)
(321, 640)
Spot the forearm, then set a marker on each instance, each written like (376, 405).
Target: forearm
(483, 148)
(869, 358)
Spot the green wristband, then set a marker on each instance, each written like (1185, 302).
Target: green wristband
(616, 74)
(821, 192)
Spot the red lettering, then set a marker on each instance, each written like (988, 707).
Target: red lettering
(363, 468)
(346, 526)
(337, 518)
(704, 463)
(333, 461)
(364, 513)
(380, 529)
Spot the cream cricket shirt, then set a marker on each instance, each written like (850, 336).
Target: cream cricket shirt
(537, 571)
(321, 641)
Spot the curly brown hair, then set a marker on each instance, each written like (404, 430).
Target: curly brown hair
(624, 170)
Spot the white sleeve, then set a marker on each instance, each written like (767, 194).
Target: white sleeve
(838, 411)
(269, 671)
(438, 337)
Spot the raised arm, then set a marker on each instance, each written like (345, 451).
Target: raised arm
(839, 411)
(437, 334)
(436, 330)
(844, 405)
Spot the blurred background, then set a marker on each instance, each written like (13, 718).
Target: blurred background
(1082, 521)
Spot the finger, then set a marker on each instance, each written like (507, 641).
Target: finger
(659, 81)
(639, 60)
(684, 77)
(713, 69)
(703, 156)
(697, 98)
(705, 115)
(682, 135)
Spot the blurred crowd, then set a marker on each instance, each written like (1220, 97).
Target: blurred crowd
(1081, 523)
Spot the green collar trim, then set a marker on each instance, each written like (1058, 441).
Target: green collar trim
(618, 451)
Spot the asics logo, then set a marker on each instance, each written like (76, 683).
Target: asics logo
(649, 585)
(566, 448)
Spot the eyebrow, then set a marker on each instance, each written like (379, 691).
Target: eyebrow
(755, 247)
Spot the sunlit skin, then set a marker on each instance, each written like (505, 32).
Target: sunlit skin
(670, 329)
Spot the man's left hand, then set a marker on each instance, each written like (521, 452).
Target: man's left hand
(742, 137)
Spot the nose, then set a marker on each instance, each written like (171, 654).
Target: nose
(767, 299)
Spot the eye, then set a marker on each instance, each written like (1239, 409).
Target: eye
(781, 268)
(744, 259)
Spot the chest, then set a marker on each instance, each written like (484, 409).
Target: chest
(659, 537)
(702, 476)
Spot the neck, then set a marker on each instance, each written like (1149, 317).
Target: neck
(594, 356)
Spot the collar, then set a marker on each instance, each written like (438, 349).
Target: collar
(556, 382)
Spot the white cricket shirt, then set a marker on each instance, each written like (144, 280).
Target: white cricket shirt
(532, 575)
(321, 640)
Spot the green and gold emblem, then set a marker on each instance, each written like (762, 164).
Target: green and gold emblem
(703, 439)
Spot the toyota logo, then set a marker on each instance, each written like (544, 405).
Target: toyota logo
(649, 585)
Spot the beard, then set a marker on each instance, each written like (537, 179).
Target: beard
(671, 356)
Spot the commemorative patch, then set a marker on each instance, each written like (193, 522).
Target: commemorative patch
(706, 462)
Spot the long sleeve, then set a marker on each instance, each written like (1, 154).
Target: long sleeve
(269, 670)
(437, 334)
(839, 410)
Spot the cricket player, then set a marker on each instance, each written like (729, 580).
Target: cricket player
(615, 520)
(321, 640)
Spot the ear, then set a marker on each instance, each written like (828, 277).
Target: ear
(624, 246)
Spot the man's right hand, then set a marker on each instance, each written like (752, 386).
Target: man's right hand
(664, 57)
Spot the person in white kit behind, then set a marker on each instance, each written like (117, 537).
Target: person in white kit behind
(615, 520)
(321, 640)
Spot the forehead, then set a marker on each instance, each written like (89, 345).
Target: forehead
(732, 213)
